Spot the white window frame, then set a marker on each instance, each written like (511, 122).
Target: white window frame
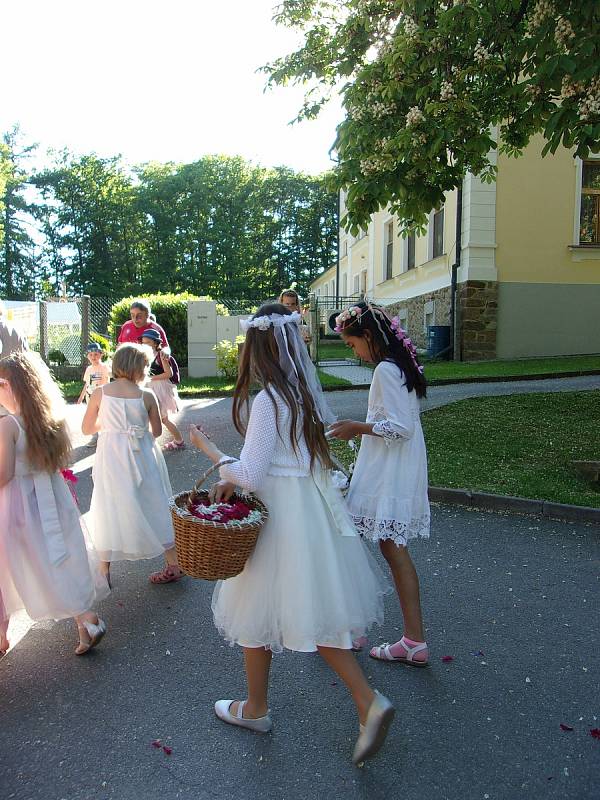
(405, 267)
(578, 194)
(389, 222)
(345, 284)
(356, 284)
(428, 308)
(403, 318)
(430, 219)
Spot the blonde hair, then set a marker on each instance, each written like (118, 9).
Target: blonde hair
(131, 361)
(42, 408)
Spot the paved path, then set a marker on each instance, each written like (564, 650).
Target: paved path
(513, 599)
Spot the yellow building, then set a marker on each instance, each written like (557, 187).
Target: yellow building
(528, 266)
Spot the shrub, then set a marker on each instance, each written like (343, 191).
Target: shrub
(171, 314)
(70, 347)
(57, 357)
(227, 357)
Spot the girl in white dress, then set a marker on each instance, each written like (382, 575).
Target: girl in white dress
(387, 496)
(129, 515)
(310, 584)
(46, 566)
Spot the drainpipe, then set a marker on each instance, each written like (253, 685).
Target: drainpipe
(337, 259)
(454, 343)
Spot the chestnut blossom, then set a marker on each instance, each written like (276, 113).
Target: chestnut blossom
(414, 116)
(564, 32)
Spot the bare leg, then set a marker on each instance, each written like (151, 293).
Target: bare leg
(407, 585)
(257, 662)
(344, 664)
(105, 570)
(171, 557)
(173, 429)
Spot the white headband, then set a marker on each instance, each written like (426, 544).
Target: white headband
(276, 320)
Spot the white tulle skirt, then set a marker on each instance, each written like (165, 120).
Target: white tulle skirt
(305, 584)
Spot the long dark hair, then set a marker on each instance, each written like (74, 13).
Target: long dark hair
(259, 363)
(378, 324)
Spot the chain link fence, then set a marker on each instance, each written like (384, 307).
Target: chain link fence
(60, 330)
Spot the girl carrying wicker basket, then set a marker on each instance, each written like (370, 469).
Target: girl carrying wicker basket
(310, 584)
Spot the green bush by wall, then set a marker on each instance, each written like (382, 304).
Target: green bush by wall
(170, 311)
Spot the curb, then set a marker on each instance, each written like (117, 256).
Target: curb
(517, 505)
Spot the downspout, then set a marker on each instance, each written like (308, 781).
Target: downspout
(454, 343)
(337, 260)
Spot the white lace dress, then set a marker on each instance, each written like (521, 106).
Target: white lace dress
(387, 496)
(310, 580)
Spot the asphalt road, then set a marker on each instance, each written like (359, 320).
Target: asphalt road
(514, 601)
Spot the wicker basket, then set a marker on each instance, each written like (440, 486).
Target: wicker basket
(212, 550)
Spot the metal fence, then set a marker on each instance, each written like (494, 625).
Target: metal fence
(323, 308)
(60, 330)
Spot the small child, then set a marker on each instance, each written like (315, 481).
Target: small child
(96, 374)
(164, 377)
(387, 496)
(306, 587)
(46, 566)
(129, 515)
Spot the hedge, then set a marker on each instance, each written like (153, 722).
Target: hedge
(170, 311)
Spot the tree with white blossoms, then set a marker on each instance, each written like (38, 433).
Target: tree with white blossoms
(424, 82)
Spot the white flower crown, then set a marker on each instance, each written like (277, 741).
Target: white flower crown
(276, 320)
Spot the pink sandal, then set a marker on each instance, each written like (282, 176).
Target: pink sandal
(173, 445)
(169, 574)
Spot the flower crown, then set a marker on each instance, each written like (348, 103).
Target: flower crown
(274, 320)
(355, 313)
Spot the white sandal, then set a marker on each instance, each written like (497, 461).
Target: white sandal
(383, 653)
(260, 725)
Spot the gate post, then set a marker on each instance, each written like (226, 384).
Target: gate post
(314, 328)
(43, 330)
(85, 325)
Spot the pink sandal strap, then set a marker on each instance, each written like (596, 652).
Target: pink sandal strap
(169, 574)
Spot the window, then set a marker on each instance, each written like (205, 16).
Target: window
(410, 251)
(438, 233)
(363, 282)
(403, 319)
(589, 216)
(356, 284)
(344, 248)
(345, 284)
(428, 315)
(388, 253)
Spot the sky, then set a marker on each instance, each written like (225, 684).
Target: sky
(156, 81)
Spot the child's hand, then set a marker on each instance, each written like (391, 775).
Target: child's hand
(345, 429)
(221, 492)
(202, 442)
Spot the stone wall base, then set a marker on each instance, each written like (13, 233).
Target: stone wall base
(477, 320)
(413, 311)
(477, 317)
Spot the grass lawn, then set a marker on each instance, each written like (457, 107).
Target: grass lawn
(520, 445)
(443, 370)
(330, 350)
(207, 387)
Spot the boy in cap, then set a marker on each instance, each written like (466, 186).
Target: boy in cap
(96, 374)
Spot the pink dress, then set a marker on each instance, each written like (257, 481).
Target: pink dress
(47, 565)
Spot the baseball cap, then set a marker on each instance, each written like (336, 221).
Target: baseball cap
(93, 347)
(151, 334)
